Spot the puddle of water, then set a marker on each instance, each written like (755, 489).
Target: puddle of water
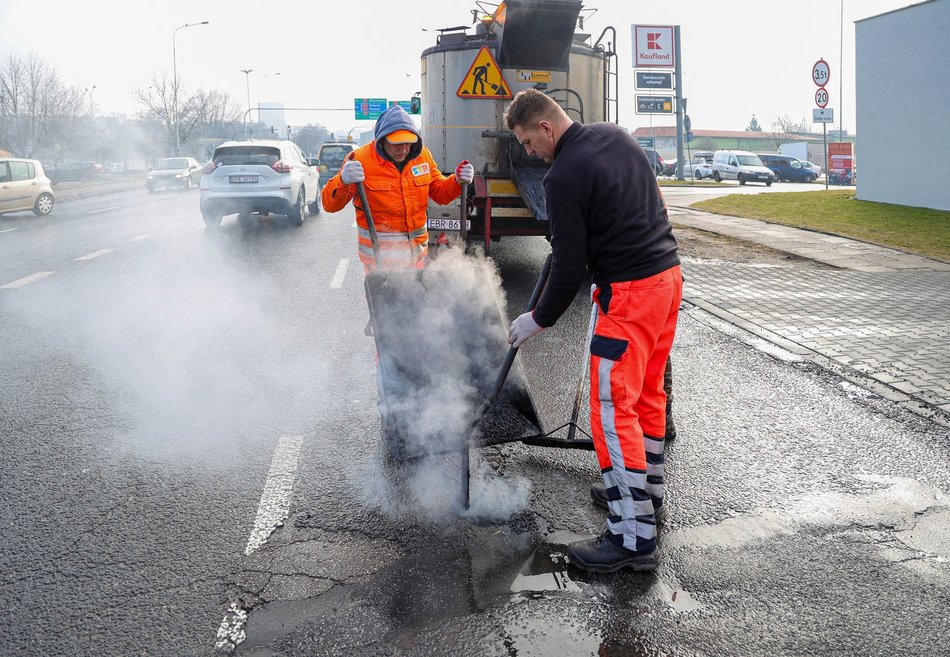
(545, 570)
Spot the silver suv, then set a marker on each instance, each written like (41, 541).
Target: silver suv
(259, 176)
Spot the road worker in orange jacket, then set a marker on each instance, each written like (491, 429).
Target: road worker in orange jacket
(400, 176)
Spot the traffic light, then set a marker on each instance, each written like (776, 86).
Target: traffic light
(415, 105)
(273, 130)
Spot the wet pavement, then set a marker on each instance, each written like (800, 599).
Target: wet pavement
(881, 317)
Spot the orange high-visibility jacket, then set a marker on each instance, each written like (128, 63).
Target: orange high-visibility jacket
(397, 201)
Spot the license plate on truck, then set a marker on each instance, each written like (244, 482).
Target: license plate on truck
(448, 224)
(242, 179)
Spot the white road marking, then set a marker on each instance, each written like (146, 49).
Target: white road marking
(141, 237)
(27, 280)
(275, 500)
(7, 230)
(104, 210)
(231, 633)
(271, 512)
(94, 254)
(340, 273)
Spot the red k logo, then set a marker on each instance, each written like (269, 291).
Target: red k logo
(653, 41)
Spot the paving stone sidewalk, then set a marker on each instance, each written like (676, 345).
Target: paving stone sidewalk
(883, 316)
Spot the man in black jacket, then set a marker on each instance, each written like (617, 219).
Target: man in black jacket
(608, 218)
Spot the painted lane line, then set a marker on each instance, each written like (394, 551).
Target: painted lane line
(340, 273)
(27, 280)
(94, 254)
(141, 237)
(271, 512)
(104, 210)
(8, 230)
(275, 500)
(231, 633)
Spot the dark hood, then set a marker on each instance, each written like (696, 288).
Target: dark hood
(393, 119)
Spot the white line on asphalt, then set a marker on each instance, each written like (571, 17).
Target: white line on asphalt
(141, 237)
(271, 512)
(275, 500)
(7, 230)
(94, 254)
(340, 273)
(104, 210)
(20, 282)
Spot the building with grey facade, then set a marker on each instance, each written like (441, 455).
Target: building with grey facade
(902, 81)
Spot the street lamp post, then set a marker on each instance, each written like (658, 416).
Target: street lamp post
(247, 79)
(175, 82)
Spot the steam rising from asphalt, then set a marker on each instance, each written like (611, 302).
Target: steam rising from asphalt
(181, 351)
(459, 334)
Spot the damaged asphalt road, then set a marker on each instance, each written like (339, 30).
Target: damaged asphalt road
(806, 518)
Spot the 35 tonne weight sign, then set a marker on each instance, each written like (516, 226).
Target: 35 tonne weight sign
(821, 97)
(821, 73)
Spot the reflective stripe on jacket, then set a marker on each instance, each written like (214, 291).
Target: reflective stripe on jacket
(398, 202)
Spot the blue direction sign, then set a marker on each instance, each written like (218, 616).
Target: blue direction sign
(405, 104)
(368, 109)
(654, 104)
(646, 142)
(651, 80)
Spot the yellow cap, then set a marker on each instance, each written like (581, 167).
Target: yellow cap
(402, 137)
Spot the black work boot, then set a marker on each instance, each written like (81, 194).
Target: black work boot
(598, 495)
(601, 555)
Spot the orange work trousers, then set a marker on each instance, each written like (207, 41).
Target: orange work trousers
(628, 353)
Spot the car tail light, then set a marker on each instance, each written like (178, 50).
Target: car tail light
(281, 167)
(210, 166)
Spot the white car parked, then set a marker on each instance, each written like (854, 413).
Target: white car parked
(742, 166)
(810, 165)
(259, 176)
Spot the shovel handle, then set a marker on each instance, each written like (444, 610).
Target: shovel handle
(377, 255)
(463, 214)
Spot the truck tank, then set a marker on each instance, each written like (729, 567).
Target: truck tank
(468, 79)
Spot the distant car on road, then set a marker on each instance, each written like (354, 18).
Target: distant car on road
(742, 166)
(787, 168)
(330, 158)
(74, 170)
(177, 172)
(259, 176)
(25, 186)
(810, 165)
(655, 160)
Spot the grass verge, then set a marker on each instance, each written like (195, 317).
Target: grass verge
(918, 230)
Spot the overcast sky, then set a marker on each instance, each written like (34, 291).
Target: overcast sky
(739, 56)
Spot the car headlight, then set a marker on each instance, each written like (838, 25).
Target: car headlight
(179, 175)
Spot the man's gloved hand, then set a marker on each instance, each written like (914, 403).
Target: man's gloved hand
(464, 172)
(522, 328)
(352, 172)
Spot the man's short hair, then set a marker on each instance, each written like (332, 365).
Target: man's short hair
(528, 107)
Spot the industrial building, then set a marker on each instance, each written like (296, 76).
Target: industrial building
(903, 101)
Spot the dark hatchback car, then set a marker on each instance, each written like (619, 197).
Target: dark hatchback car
(787, 168)
(174, 172)
(78, 170)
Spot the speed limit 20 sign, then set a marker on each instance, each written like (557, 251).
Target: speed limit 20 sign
(821, 97)
(820, 73)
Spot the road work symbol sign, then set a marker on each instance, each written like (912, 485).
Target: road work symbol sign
(484, 79)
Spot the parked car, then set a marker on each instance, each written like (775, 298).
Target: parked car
(330, 158)
(655, 160)
(25, 186)
(113, 167)
(742, 166)
(76, 170)
(669, 168)
(179, 172)
(259, 176)
(698, 169)
(810, 165)
(787, 168)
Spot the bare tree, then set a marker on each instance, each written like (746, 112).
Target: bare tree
(39, 115)
(785, 129)
(310, 137)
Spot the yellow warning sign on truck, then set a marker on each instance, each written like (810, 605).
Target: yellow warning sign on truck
(484, 78)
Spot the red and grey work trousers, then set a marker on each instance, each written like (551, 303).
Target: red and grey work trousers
(628, 355)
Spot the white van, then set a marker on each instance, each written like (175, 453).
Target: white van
(742, 166)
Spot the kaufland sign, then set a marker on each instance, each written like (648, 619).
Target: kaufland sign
(653, 46)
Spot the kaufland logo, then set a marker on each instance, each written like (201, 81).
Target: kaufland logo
(653, 41)
(654, 45)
